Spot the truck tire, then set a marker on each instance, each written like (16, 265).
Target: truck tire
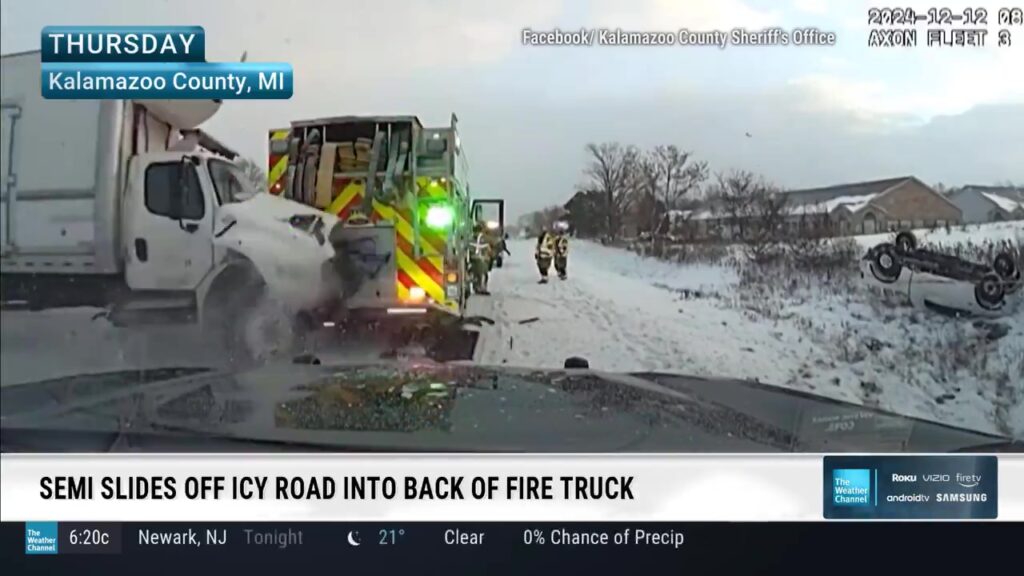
(246, 324)
(262, 331)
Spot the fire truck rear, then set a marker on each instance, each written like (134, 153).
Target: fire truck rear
(402, 196)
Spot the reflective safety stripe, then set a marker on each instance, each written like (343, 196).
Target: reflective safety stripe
(347, 199)
(438, 190)
(427, 271)
(278, 163)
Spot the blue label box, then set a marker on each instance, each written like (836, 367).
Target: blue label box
(40, 537)
(123, 44)
(167, 81)
(910, 487)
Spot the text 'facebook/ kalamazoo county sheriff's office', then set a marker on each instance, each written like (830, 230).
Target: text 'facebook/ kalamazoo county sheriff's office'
(684, 37)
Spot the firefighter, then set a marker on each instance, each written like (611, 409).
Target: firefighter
(480, 260)
(498, 246)
(561, 248)
(503, 249)
(545, 252)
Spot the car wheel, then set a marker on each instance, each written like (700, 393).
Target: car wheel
(1005, 266)
(989, 292)
(886, 265)
(906, 242)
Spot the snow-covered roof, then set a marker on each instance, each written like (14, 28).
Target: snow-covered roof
(856, 189)
(675, 216)
(1003, 202)
(851, 203)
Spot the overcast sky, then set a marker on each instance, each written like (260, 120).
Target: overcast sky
(817, 115)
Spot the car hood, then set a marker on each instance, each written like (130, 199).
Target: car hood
(423, 406)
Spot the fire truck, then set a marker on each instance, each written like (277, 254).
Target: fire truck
(405, 210)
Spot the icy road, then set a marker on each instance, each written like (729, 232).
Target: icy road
(625, 313)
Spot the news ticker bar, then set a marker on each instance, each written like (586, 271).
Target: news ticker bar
(351, 487)
(149, 62)
(503, 547)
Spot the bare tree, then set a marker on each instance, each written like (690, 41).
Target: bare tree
(755, 212)
(542, 219)
(612, 172)
(645, 191)
(677, 176)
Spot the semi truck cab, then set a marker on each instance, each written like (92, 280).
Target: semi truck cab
(128, 205)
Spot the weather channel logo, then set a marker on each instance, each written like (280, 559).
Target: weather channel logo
(851, 487)
(40, 538)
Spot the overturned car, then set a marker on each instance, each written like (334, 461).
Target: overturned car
(943, 282)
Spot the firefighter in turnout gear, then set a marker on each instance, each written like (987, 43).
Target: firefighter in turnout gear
(561, 248)
(481, 256)
(545, 253)
(498, 246)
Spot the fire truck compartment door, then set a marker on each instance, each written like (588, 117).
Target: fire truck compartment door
(371, 259)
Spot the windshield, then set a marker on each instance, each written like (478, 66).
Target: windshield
(804, 201)
(230, 182)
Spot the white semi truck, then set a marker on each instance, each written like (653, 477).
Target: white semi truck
(129, 206)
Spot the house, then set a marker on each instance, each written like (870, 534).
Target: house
(867, 207)
(862, 208)
(989, 203)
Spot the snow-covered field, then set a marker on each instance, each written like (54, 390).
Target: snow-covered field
(624, 312)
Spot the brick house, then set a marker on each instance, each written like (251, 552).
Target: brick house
(861, 208)
(867, 207)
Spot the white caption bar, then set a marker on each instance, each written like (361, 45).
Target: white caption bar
(666, 488)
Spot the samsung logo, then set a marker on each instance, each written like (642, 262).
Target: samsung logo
(961, 497)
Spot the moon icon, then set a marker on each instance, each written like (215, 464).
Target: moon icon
(353, 538)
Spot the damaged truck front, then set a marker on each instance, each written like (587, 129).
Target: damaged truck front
(127, 205)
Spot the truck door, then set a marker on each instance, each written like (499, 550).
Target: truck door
(490, 212)
(168, 224)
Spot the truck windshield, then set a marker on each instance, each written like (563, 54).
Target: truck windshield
(230, 183)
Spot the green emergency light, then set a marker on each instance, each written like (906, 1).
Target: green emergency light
(439, 216)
